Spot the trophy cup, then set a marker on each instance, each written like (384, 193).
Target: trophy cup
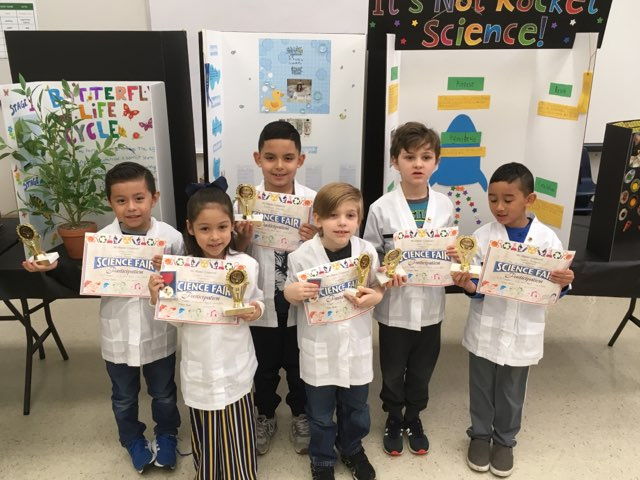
(246, 196)
(391, 261)
(237, 281)
(31, 239)
(466, 246)
(363, 265)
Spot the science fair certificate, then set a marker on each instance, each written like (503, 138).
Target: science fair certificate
(118, 265)
(424, 255)
(333, 279)
(197, 291)
(521, 272)
(282, 217)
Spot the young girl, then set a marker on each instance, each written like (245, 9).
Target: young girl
(335, 358)
(218, 361)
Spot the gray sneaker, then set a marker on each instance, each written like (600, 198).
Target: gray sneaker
(478, 455)
(265, 429)
(300, 434)
(501, 460)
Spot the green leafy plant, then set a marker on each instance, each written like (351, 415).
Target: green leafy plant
(67, 177)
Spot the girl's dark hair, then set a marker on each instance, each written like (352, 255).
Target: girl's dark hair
(126, 172)
(198, 202)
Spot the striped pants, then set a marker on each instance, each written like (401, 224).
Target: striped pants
(224, 441)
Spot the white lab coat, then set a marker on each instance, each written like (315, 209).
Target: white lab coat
(218, 361)
(410, 307)
(338, 353)
(129, 333)
(267, 281)
(504, 331)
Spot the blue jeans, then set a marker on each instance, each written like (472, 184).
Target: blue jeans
(125, 384)
(353, 421)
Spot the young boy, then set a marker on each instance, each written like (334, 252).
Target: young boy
(503, 336)
(336, 358)
(131, 339)
(275, 335)
(409, 317)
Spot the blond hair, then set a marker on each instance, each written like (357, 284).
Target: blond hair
(332, 195)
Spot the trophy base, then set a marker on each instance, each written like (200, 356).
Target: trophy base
(383, 279)
(256, 218)
(474, 270)
(354, 292)
(232, 311)
(45, 259)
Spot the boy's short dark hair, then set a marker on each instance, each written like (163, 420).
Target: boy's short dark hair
(127, 171)
(280, 130)
(411, 136)
(511, 172)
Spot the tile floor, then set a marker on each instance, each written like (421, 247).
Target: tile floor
(581, 416)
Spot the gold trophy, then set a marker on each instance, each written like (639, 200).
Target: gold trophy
(466, 246)
(363, 265)
(246, 196)
(392, 261)
(237, 281)
(31, 239)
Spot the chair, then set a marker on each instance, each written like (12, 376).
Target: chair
(586, 188)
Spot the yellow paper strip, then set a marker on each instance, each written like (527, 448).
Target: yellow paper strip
(464, 152)
(548, 213)
(464, 102)
(585, 95)
(393, 98)
(557, 110)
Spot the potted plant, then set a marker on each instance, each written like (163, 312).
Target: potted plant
(66, 176)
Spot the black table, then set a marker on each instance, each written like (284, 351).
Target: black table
(16, 286)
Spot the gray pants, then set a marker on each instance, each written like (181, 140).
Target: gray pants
(496, 399)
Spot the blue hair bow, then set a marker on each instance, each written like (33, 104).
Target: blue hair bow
(219, 182)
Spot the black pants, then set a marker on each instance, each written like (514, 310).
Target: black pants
(407, 361)
(277, 348)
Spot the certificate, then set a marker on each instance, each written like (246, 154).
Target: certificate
(333, 279)
(424, 255)
(521, 272)
(118, 265)
(199, 291)
(282, 217)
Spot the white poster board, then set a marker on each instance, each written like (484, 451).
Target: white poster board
(133, 113)
(314, 81)
(505, 113)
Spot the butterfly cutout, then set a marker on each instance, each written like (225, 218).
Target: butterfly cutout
(122, 132)
(6, 92)
(147, 125)
(128, 112)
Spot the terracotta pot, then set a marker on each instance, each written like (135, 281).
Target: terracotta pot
(73, 238)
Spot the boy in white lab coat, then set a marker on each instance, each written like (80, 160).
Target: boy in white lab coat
(279, 156)
(503, 336)
(410, 317)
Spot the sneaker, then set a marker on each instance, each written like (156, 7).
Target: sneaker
(300, 433)
(478, 455)
(265, 429)
(418, 441)
(164, 447)
(501, 463)
(322, 473)
(392, 443)
(141, 454)
(360, 467)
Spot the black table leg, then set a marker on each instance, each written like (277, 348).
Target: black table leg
(627, 316)
(26, 321)
(54, 331)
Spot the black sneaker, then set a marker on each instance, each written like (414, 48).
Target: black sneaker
(418, 441)
(501, 464)
(360, 467)
(392, 443)
(322, 473)
(478, 455)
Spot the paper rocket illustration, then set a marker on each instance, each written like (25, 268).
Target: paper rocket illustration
(453, 171)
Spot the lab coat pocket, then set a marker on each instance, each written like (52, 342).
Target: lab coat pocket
(529, 338)
(314, 359)
(361, 355)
